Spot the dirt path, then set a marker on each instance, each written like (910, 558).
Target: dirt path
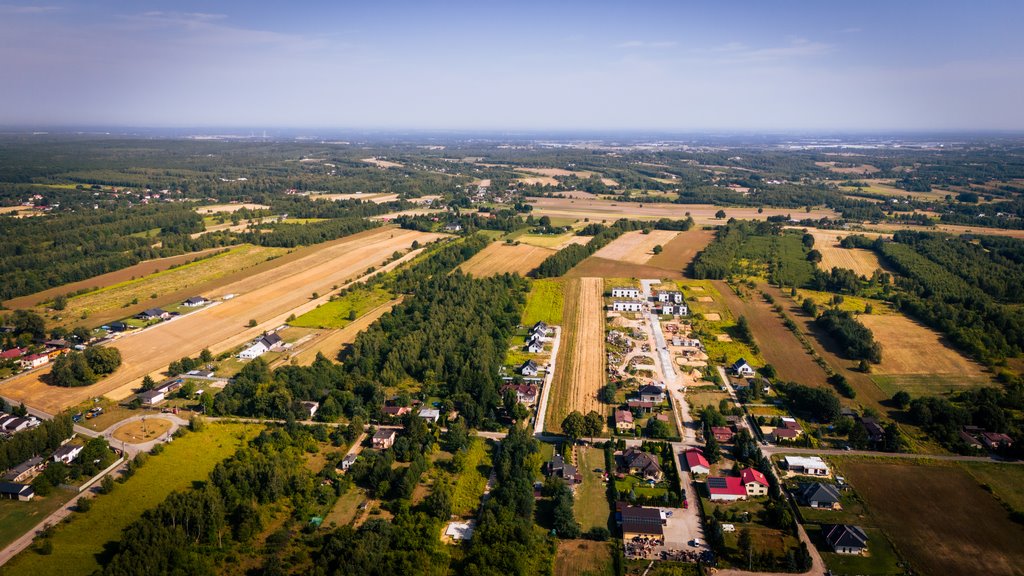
(579, 377)
(545, 394)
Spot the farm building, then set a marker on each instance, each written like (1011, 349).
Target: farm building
(263, 344)
(627, 306)
(15, 491)
(384, 439)
(845, 539)
(200, 373)
(118, 327)
(195, 301)
(726, 488)
(623, 420)
(623, 292)
(696, 462)
(639, 463)
(153, 314)
(152, 397)
(819, 495)
(754, 482)
(809, 465)
(67, 453)
(640, 522)
(742, 369)
(558, 468)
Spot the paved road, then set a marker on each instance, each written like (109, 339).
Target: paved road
(130, 450)
(549, 377)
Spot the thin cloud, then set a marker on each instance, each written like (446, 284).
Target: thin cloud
(18, 9)
(647, 44)
(738, 53)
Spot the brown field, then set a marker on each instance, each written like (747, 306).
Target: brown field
(953, 229)
(860, 169)
(108, 279)
(542, 180)
(382, 163)
(579, 372)
(939, 518)
(862, 261)
(330, 342)
(557, 172)
(604, 268)
(268, 297)
(582, 557)
(635, 247)
(778, 345)
(499, 257)
(680, 251)
(220, 208)
(609, 182)
(577, 194)
(375, 198)
(909, 347)
(141, 431)
(703, 214)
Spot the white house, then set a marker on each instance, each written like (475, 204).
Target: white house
(255, 351)
(627, 306)
(539, 330)
(670, 296)
(529, 368)
(195, 301)
(430, 415)
(348, 461)
(535, 345)
(309, 408)
(809, 465)
(622, 292)
(742, 369)
(34, 360)
(67, 453)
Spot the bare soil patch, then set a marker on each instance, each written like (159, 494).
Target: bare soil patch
(499, 258)
(680, 251)
(705, 299)
(909, 347)
(604, 268)
(382, 163)
(713, 316)
(579, 372)
(142, 431)
(635, 247)
(579, 557)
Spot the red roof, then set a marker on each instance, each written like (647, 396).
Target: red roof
(12, 353)
(623, 416)
(748, 475)
(35, 357)
(726, 486)
(786, 433)
(695, 458)
(722, 432)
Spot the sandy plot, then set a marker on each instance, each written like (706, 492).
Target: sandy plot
(330, 343)
(216, 208)
(723, 338)
(576, 194)
(140, 431)
(705, 299)
(609, 211)
(909, 347)
(267, 297)
(635, 247)
(382, 163)
(609, 182)
(697, 288)
(713, 317)
(541, 180)
(580, 368)
(499, 257)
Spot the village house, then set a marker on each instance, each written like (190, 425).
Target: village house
(653, 394)
(558, 468)
(809, 465)
(670, 296)
(26, 470)
(819, 495)
(262, 345)
(622, 292)
(754, 482)
(153, 314)
(640, 522)
(627, 306)
(623, 420)
(874, 430)
(726, 488)
(845, 539)
(742, 369)
(696, 462)
(384, 439)
(639, 463)
(529, 368)
(540, 329)
(15, 491)
(640, 405)
(309, 408)
(535, 345)
(395, 411)
(996, 440)
(453, 227)
(34, 361)
(722, 434)
(431, 415)
(67, 453)
(525, 393)
(13, 353)
(348, 461)
(195, 301)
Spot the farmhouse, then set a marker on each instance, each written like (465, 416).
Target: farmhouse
(525, 393)
(384, 439)
(15, 491)
(754, 482)
(263, 344)
(153, 314)
(623, 420)
(640, 405)
(809, 465)
(558, 468)
(348, 461)
(742, 369)
(13, 353)
(819, 495)
(640, 522)
(622, 292)
(153, 397)
(996, 440)
(726, 488)
(529, 368)
(653, 394)
(67, 453)
(635, 461)
(627, 306)
(845, 539)
(696, 462)
(195, 301)
(34, 360)
(431, 415)
(25, 470)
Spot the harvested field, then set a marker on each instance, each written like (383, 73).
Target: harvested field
(375, 198)
(680, 251)
(499, 257)
(604, 268)
(862, 261)
(109, 279)
(329, 343)
(583, 558)
(382, 163)
(541, 180)
(635, 247)
(268, 297)
(579, 372)
(713, 316)
(557, 172)
(609, 182)
(859, 169)
(609, 211)
(140, 431)
(909, 347)
(576, 194)
(221, 208)
(942, 533)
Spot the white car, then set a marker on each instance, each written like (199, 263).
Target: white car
(696, 543)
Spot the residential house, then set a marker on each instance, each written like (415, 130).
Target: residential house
(558, 468)
(996, 440)
(200, 373)
(627, 306)
(348, 461)
(67, 453)
(309, 408)
(845, 539)
(653, 394)
(118, 327)
(34, 361)
(153, 314)
(525, 393)
(11, 424)
(535, 345)
(623, 420)
(384, 438)
(819, 495)
(783, 434)
(15, 491)
(431, 415)
(453, 227)
(666, 309)
(640, 405)
(639, 463)
(686, 342)
(13, 353)
(874, 430)
(26, 470)
(696, 462)
(726, 488)
(153, 397)
(262, 345)
(539, 329)
(742, 369)
(640, 522)
(754, 482)
(670, 296)
(722, 434)
(622, 292)
(195, 301)
(529, 368)
(395, 411)
(809, 465)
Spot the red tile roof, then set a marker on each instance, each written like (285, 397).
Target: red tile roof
(749, 475)
(726, 486)
(696, 458)
(13, 353)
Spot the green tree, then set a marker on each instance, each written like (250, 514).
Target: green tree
(658, 249)
(60, 302)
(574, 426)
(593, 423)
(147, 383)
(720, 214)
(901, 399)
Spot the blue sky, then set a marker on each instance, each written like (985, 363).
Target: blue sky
(574, 65)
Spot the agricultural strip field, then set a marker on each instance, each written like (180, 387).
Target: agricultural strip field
(329, 343)
(862, 261)
(498, 258)
(680, 251)
(609, 211)
(222, 208)
(579, 373)
(109, 279)
(594, 267)
(76, 545)
(115, 302)
(939, 518)
(336, 313)
(778, 345)
(635, 247)
(268, 297)
(545, 302)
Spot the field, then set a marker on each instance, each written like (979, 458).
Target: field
(141, 431)
(76, 545)
(469, 486)
(608, 211)
(382, 163)
(17, 518)
(715, 319)
(579, 373)
(222, 208)
(583, 558)
(331, 342)
(885, 187)
(1006, 482)
(552, 241)
(267, 297)
(591, 505)
(545, 302)
(909, 347)
(594, 267)
(335, 314)
(115, 302)
(859, 169)
(862, 261)
(635, 247)
(698, 400)
(680, 251)
(939, 518)
(499, 258)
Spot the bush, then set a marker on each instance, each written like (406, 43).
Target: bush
(107, 484)
(84, 504)
(599, 533)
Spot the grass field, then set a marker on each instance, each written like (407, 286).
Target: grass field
(1006, 482)
(938, 518)
(909, 347)
(186, 460)
(716, 318)
(345, 508)
(698, 400)
(545, 302)
(17, 518)
(469, 486)
(591, 505)
(498, 258)
(579, 373)
(336, 313)
(140, 431)
(583, 558)
(331, 342)
(881, 560)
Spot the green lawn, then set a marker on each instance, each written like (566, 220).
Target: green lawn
(591, 504)
(640, 487)
(337, 313)
(1005, 481)
(881, 559)
(346, 508)
(469, 486)
(544, 303)
(17, 518)
(187, 459)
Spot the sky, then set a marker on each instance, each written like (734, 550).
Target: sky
(574, 65)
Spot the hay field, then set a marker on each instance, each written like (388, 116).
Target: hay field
(862, 261)
(498, 258)
(330, 343)
(680, 251)
(553, 241)
(221, 208)
(938, 517)
(382, 163)
(909, 347)
(375, 198)
(579, 372)
(583, 558)
(859, 169)
(268, 297)
(703, 214)
(635, 247)
(541, 180)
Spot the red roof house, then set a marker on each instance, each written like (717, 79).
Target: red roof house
(726, 488)
(754, 482)
(696, 462)
(722, 433)
(12, 353)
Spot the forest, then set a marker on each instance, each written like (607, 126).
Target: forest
(855, 338)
